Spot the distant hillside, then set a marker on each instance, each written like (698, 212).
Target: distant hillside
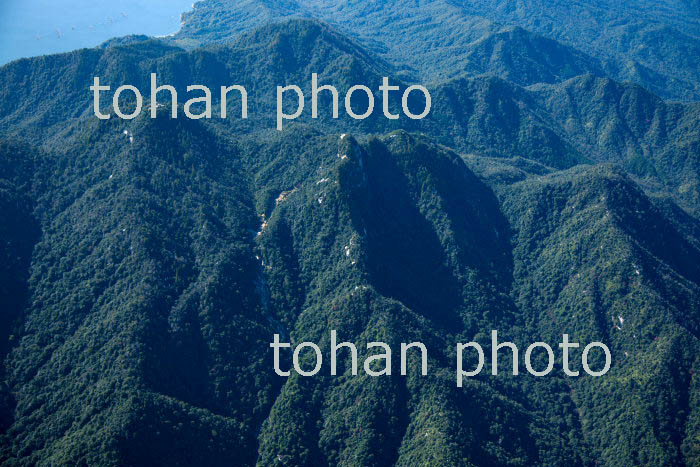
(650, 43)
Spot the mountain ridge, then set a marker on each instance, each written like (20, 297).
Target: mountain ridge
(647, 48)
(157, 257)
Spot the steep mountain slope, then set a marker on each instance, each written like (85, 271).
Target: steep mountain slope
(264, 58)
(652, 138)
(165, 334)
(142, 312)
(594, 257)
(583, 119)
(521, 57)
(359, 218)
(46, 92)
(156, 258)
(18, 233)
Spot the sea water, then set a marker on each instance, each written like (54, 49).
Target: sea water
(38, 27)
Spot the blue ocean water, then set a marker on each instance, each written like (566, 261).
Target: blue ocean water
(38, 27)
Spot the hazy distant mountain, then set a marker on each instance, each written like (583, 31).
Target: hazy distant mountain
(650, 43)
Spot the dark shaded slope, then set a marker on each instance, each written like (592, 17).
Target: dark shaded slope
(164, 327)
(595, 258)
(146, 338)
(143, 306)
(375, 225)
(19, 232)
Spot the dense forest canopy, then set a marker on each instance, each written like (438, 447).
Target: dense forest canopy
(554, 188)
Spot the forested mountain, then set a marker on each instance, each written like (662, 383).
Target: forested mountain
(145, 265)
(652, 43)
